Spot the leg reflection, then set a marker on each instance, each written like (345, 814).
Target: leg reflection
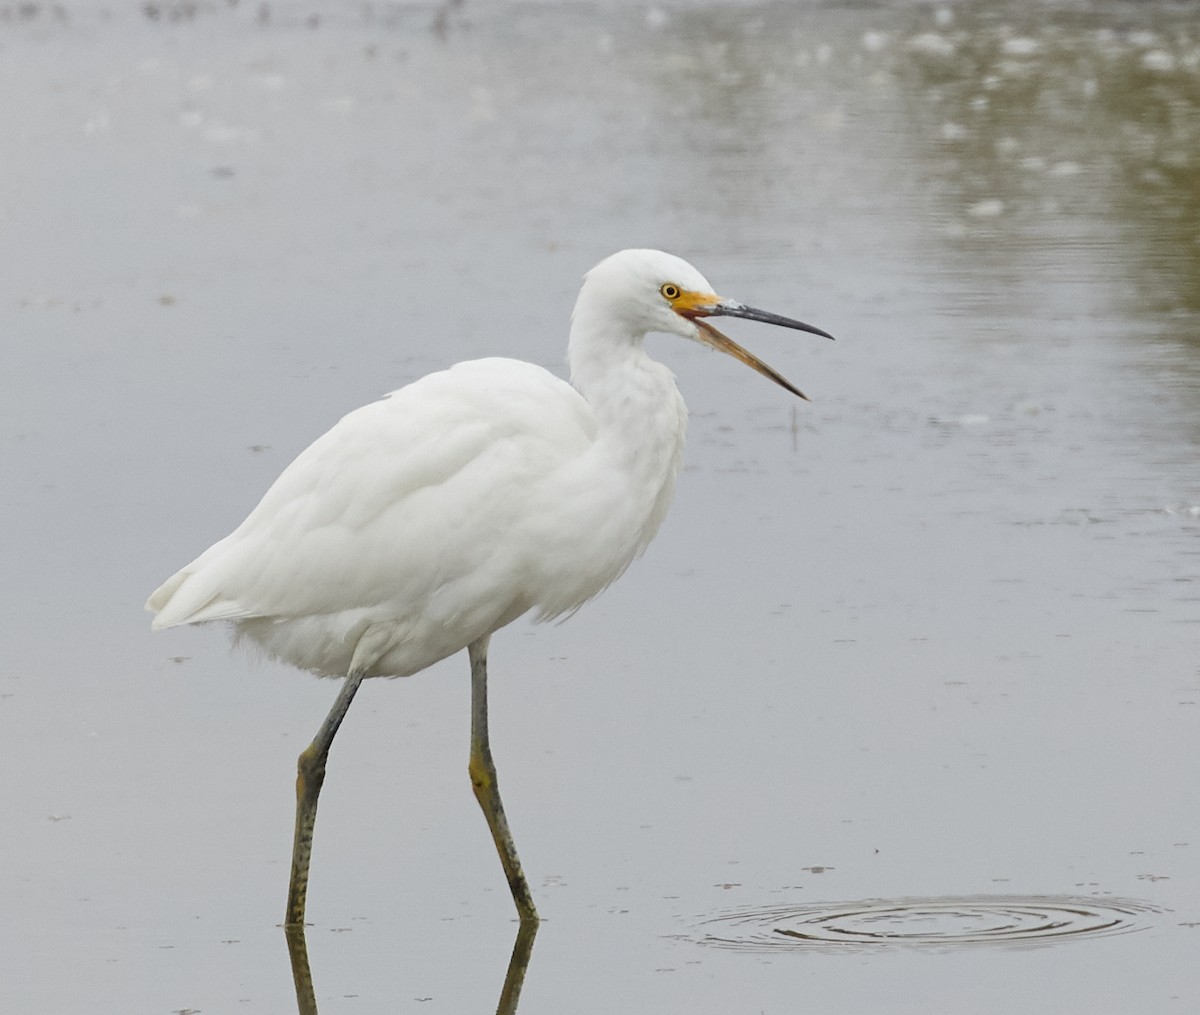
(306, 1001)
(522, 949)
(510, 993)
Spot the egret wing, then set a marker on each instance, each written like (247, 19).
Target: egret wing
(397, 502)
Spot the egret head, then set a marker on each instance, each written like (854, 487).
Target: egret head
(649, 290)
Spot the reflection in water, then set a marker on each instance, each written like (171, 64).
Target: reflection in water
(306, 1000)
(1051, 145)
(936, 922)
(510, 993)
(1067, 127)
(514, 979)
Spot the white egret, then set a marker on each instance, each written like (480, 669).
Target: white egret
(424, 522)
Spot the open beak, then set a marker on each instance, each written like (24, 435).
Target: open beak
(714, 306)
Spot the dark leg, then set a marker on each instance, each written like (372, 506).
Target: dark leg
(306, 998)
(487, 792)
(517, 965)
(310, 774)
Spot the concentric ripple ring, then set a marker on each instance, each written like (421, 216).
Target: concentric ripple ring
(951, 921)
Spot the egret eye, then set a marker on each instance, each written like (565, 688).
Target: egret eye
(669, 290)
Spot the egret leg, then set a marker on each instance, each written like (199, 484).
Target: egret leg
(487, 791)
(310, 774)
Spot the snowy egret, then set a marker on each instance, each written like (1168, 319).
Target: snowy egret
(426, 521)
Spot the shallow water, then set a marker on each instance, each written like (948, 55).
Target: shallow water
(926, 923)
(931, 637)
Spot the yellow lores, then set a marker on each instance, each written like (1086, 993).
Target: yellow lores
(693, 304)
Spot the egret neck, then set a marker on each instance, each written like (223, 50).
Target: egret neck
(640, 415)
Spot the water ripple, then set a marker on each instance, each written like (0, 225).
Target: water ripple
(951, 921)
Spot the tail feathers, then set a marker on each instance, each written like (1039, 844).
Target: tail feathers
(187, 598)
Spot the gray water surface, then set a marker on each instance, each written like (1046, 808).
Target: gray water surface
(934, 636)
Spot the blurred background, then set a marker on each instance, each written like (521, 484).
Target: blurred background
(933, 638)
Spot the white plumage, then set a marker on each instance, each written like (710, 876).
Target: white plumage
(422, 523)
(431, 518)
